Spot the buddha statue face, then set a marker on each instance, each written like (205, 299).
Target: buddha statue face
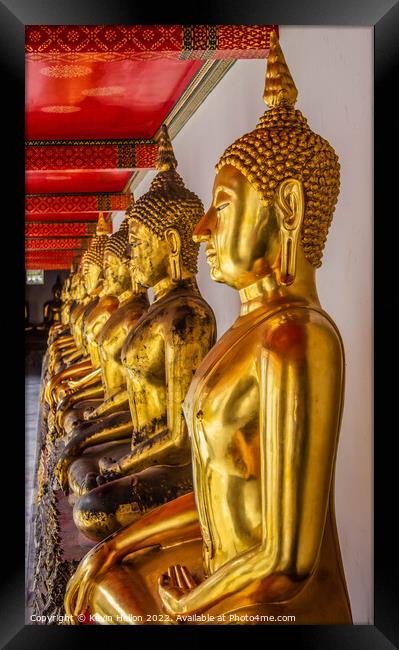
(77, 288)
(241, 232)
(91, 276)
(116, 272)
(149, 254)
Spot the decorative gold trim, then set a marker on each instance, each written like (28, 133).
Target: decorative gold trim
(196, 92)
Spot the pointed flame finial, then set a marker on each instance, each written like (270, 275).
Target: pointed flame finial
(102, 226)
(166, 158)
(279, 87)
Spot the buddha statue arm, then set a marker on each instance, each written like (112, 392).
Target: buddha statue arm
(70, 357)
(70, 386)
(57, 331)
(169, 446)
(93, 392)
(117, 402)
(68, 373)
(300, 388)
(173, 522)
(46, 312)
(116, 427)
(85, 381)
(61, 341)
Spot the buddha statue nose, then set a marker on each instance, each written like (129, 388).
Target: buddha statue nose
(202, 231)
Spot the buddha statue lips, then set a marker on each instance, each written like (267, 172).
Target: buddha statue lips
(263, 410)
(159, 356)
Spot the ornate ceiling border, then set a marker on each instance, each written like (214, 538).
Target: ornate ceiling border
(69, 43)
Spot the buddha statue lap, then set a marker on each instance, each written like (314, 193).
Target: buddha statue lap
(258, 537)
(159, 356)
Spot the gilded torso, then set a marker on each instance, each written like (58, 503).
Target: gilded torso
(163, 351)
(223, 413)
(112, 338)
(93, 324)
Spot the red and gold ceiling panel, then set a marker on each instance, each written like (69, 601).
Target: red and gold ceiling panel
(146, 42)
(76, 181)
(95, 98)
(50, 257)
(58, 229)
(69, 203)
(64, 243)
(81, 155)
(64, 217)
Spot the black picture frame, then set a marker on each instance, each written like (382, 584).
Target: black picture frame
(383, 15)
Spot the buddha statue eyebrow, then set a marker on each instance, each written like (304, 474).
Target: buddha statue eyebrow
(222, 189)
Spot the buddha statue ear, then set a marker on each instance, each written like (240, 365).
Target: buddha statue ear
(174, 243)
(290, 208)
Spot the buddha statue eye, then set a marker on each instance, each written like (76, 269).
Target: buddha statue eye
(132, 245)
(221, 207)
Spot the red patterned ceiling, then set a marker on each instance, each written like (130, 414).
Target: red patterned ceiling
(102, 100)
(76, 181)
(63, 217)
(95, 97)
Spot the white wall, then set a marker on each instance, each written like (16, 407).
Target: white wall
(332, 69)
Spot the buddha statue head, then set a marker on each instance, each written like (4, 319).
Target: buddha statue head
(93, 259)
(161, 223)
(116, 260)
(274, 193)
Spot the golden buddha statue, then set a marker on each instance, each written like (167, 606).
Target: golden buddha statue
(56, 328)
(160, 356)
(65, 343)
(70, 299)
(52, 308)
(93, 277)
(91, 383)
(118, 293)
(263, 410)
(88, 288)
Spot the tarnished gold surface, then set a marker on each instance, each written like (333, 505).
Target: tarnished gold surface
(263, 409)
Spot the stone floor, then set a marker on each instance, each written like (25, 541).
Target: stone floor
(32, 391)
(74, 545)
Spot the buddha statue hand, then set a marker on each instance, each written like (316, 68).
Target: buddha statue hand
(109, 466)
(107, 477)
(97, 562)
(90, 481)
(173, 586)
(110, 470)
(89, 413)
